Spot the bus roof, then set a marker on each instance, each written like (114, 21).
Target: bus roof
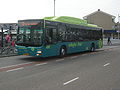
(70, 20)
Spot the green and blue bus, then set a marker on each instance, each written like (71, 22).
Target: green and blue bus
(57, 36)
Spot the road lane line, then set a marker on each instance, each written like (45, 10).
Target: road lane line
(59, 60)
(106, 64)
(70, 81)
(40, 64)
(15, 69)
(15, 65)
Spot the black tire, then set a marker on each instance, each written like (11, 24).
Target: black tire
(62, 51)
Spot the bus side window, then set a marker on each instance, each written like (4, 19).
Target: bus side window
(61, 36)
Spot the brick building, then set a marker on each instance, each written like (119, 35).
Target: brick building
(104, 20)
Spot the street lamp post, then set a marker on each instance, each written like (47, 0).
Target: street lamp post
(10, 32)
(118, 26)
(2, 35)
(54, 8)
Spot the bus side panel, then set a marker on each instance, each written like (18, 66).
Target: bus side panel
(74, 47)
(52, 50)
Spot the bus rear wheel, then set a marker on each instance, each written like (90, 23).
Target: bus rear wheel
(62, 51)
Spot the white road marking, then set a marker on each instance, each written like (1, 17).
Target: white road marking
(15, 69)
(59, 60)
(15, 65)
(106, 64)
(40, 64)
(70, 81)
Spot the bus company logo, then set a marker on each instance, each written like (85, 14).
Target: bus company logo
(28, 23)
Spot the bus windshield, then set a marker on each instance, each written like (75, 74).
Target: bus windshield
(29, 36)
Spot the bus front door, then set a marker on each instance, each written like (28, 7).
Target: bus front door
(51, 42)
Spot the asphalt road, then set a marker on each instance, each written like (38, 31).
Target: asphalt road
(98, 70)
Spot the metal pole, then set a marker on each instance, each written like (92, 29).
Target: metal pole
(54, 8)
(118, 26)
(18, 29)
(10, 28)
(2, 36)
(118, 34)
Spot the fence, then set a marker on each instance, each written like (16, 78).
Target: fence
(7, 44)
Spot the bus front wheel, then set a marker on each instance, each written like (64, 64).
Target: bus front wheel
(62, 51)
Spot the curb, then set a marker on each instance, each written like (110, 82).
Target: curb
(10, 55)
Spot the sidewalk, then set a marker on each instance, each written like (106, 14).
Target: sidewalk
(114, 42)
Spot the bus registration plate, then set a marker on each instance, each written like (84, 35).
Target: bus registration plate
(25, 54)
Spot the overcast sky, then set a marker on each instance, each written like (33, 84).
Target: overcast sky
(13, 10)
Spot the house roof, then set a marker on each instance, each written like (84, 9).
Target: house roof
(100, 12)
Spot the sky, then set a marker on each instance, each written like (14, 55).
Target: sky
(13, 10)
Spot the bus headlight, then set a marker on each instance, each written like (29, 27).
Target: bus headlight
(39, 51)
